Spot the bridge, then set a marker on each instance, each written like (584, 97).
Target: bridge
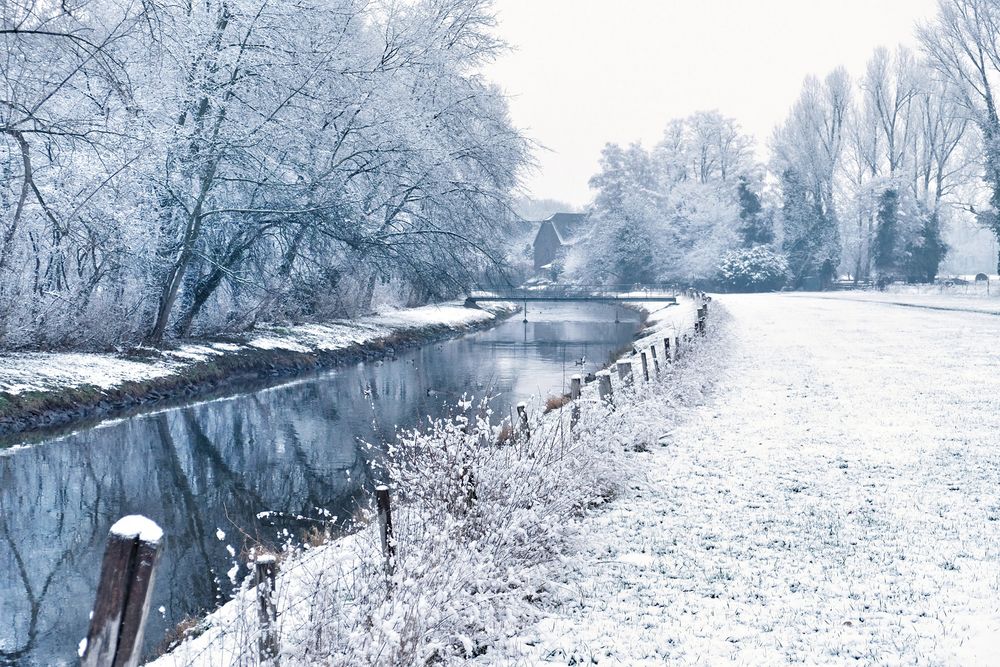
(599, 293)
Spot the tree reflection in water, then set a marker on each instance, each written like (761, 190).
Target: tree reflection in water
(215, 466)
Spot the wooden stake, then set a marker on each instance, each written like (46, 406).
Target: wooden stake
(625, 372)
(124, 592)
(604, 390)
(522, 418)
(384, 506)
(575, 388)
(265, 576)
(645, 367)
(656, 362)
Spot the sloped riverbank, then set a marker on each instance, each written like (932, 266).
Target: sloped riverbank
(43, 392)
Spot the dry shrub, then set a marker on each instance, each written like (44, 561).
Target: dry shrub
(480, 515)
(185, 629)
(556, 402)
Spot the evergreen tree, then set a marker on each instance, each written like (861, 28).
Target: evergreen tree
(926, 251)
(811, 240)
(884, 247)
(756, 227)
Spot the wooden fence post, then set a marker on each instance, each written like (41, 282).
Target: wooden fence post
(604, 390)
(625, 372)
(656, 362)
(265, 575)
(522, 419)
(385, 527)
(667, 354)
(645, 366)
(575, 388)
(124, 592)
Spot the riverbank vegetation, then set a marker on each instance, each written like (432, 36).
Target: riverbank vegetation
(193, 168)
(480, 529)
(861, 180)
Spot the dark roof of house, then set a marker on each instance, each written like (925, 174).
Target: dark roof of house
(567, 225)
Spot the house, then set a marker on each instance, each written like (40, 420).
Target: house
(555, 234)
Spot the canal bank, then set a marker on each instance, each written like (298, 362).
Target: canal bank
(289, 463)
(42, 394)
(485, 516)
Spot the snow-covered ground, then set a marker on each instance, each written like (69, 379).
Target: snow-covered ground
(22, 372)
(959, 301)
(834, 499)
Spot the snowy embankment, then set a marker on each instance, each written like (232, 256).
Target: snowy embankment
(483, 517)
(66, 384)
(832, 500)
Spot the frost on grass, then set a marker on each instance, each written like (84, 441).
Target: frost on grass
(831, 500)
(483, 517)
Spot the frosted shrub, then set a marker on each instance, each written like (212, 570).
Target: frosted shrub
(757, 269)
(482, 513)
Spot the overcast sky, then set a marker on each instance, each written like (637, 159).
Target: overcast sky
(585, 72)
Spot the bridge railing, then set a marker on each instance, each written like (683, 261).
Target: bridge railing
(569, 290)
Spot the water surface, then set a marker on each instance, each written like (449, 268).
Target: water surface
(292, 450)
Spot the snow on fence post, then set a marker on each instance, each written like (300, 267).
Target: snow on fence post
(522, 420)
(656, 362)
(265, 574)
(124, 592)
(625, 372)
(667, 356)
(604, 390)
(385, 527)
(645, 366)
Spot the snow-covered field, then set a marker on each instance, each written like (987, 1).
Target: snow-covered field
(834, 499)
(958, 301)
(22, 372)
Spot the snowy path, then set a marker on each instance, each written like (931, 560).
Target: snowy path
(835, 500)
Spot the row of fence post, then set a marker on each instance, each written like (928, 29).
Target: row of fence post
(131, 556)
(671, 351)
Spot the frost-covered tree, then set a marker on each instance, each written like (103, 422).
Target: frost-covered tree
(806, 151)
(210, 164)
(962, 46)
(905, 144)
(670, 213)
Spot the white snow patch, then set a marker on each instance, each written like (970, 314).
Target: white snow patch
(136, 525)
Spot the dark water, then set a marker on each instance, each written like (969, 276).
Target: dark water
(215, 466)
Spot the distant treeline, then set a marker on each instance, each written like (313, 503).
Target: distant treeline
(860, 181)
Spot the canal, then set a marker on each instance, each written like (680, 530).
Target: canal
(260, 466)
